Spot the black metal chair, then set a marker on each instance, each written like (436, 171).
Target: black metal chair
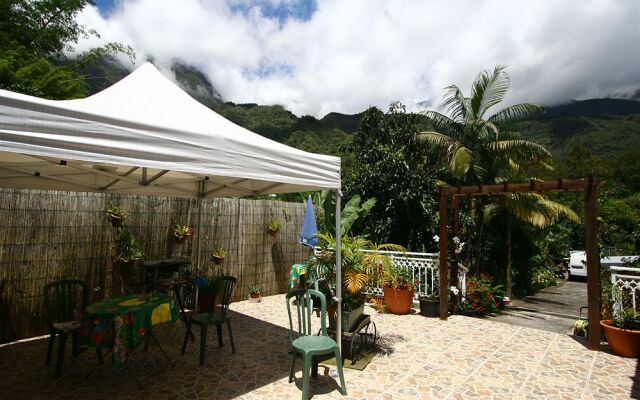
(213, 316)
(64, 301)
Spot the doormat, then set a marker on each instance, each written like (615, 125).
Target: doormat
(359, 365)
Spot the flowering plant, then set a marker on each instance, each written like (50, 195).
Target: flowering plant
(458, 245)
(480, 296)
(398, 278)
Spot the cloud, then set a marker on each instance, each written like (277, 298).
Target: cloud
(335, 55)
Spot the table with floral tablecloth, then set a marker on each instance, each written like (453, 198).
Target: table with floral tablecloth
(121, 323)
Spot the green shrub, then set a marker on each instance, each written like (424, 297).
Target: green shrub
(480, 297)
(541, 278)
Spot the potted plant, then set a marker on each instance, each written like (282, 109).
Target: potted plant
(480, 297)
(359, 271)
(181, 233)
(125, 262)
(398, 288)
(273, 227)
(580, 328)
(254, 292)
(623, 331)
(430, 305)
(116, 215)
(218, 255)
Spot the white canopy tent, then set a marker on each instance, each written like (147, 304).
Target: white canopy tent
(144, 135)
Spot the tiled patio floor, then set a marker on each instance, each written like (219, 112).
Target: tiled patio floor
(427, 359)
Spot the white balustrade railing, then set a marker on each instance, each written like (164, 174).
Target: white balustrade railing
(626, 279)
(423, 268)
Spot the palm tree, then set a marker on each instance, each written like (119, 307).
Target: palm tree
(472, 144)
(532, 208)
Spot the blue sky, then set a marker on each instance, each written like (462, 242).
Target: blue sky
(105, 6)
(298, 9)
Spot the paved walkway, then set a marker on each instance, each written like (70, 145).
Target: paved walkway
(421, 358)
(552, 309)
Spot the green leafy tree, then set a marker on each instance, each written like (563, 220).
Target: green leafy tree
(35, 36)
(471, 142)
(627, 169)
(473, 145)
(580, 162)
(531, 208)
(392, 165)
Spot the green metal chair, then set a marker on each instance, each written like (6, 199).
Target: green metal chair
(307, 344)
(64, 301)
(226, 284)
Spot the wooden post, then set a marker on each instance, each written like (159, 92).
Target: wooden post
(455, 227)
(444, 275)
(593, 264)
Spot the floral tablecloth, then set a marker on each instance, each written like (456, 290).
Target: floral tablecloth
(296, 271)
(120, 323)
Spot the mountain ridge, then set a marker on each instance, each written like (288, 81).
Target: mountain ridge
(606, 126)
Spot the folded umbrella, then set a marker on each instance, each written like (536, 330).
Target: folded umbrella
(309, 234)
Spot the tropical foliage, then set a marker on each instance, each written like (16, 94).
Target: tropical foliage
(36, 37)
(531, 208)
(473, 145)
(352, 216)
(399, 171)
(480, 298)
(477, 151)
(359, 269)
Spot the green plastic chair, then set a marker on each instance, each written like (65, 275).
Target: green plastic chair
(307, 344)
(226, 284)
(64, 301)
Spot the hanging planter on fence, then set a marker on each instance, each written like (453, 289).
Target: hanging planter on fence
(116, 216)
(218, 255)
(181, 233)
(274, 227)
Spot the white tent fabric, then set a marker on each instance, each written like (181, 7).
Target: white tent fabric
(144, 135)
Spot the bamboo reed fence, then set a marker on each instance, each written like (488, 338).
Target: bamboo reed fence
(47, 235)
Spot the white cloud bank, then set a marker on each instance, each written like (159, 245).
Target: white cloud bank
(353, 54)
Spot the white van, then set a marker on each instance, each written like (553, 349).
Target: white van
(577, 263)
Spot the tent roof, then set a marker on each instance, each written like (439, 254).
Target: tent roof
(144, 135)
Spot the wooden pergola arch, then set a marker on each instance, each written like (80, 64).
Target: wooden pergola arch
(589, 186)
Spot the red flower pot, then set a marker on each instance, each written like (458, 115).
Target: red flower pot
(398, 301)
(623, 342)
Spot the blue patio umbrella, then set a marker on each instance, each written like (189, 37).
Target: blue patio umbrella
(309, 234)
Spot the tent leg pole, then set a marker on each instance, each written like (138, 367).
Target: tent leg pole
(338, 271)
(199, 240)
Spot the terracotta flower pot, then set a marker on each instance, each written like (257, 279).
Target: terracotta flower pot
(217, 260)
(116, 220)
(179, 239)
(254, 297)
(623, 342)
(272, 232)
(398, 301)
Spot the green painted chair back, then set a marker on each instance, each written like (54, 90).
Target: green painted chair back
(64, 300)
(224, 289)
(304, 309)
